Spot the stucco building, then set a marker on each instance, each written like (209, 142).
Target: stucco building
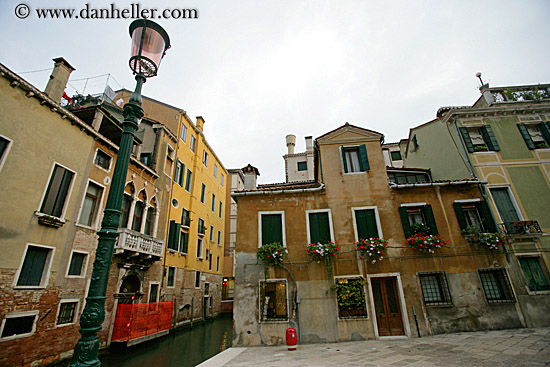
(458, 287)
(502, 139)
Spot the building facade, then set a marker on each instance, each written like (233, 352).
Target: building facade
(461, 286)
(503, 139)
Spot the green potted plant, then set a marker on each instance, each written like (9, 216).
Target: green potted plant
(351, 301)
(420, 228)
(371, 248)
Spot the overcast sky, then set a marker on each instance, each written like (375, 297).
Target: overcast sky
(259, 70)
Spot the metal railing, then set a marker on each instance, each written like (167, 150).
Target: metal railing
(521, 228)
(139, 242)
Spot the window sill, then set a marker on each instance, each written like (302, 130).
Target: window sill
(86, 227)
(446, 305)
(354, 318)
(285, 321)
(11, 337)
(26, 287)
(354, 173)
(75, 276)
(62, 325)
(538, 293)
(49, 220)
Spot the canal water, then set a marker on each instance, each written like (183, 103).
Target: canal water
(186, 348)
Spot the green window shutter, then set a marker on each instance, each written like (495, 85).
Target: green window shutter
(545, 130)
(428, 212)
(460, 215)
(344, 159)
(533, 274)
(272, 228)
(405, 221)
(33, 266)
(489, 137)
(467, 140)
(488, 221)
(525, 135)
(366, 224)
(364, 158)
(319, 230)
(173, 235)
(185, 241)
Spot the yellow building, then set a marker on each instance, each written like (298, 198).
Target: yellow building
(194, 250)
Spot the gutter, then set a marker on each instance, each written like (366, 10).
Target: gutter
(276, 192)
(431, 184)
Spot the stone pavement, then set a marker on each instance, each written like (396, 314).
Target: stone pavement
(516, 347)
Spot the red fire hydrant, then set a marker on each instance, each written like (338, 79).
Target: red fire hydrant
(291, 338)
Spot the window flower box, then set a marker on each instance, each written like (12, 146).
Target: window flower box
(426, 244)
(49, 221)
(324, 252)
(271, 254)
(372, 248)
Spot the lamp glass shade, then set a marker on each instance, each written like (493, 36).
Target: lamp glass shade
(149, 43)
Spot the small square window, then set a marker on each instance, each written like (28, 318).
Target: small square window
(77, 264)
(496, 286)
(435, 289)
(273, 300)
(170, 280)
(67, 312)
(396, 155)
(355, 159)
(19, 324)
(302, 166)
(102, 160)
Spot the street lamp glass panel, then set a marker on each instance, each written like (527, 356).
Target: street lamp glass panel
(149, 43)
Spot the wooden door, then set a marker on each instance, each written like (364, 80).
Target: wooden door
(386, 303)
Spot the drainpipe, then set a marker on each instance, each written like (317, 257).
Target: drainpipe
(320, 164)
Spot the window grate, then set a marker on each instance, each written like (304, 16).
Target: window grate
(435, 289)
(496, 286)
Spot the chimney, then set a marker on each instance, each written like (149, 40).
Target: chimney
(59, 78)
(309, 144)
(250, 175)
(290, 143)
(200, 123)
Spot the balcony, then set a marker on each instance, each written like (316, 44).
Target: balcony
(521, 229)
(138, 243)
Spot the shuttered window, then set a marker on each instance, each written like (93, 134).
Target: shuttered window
(422, 214)
(479, 139)
(319, 228)
(466, 214)
(535, 273)
(75, 267)
(272, 228)
(355, 159)
(173, 235)
(365, 219)
(57, 192)
(34, 266)
(536, 136)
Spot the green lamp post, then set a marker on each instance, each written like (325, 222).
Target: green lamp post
(149, 44)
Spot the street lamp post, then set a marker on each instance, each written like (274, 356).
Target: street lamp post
(149, 44)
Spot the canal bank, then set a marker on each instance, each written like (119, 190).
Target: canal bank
(499, 348)
(187, 346)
